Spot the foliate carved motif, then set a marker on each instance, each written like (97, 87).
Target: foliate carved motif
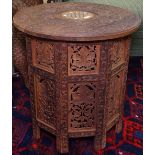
(43, 55)
(83, 59)
(82, 105)
(119, 53)
(45, 100)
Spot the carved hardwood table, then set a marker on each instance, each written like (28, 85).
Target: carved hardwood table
(77, 57)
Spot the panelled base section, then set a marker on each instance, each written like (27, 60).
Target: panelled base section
(77, 89)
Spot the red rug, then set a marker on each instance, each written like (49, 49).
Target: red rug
(128, 142)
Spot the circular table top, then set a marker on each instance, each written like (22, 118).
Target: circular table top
(76, 21)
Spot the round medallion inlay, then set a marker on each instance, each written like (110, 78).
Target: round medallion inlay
(77, 15)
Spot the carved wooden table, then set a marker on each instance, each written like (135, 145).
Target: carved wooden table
(78, 59)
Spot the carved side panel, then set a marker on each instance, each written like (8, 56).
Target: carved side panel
(83, 59)
(116, 93)
(36, 130)
(45, 101)
(82, 105)
(43, 55)
(118, 53)
(117, 73)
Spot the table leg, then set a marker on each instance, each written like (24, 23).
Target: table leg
(36, 130)
(62, 144)
(100, 143)
(119, 126)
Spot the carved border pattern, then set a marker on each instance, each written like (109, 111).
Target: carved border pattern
(100, 135)
(61, 66)
(85, 133)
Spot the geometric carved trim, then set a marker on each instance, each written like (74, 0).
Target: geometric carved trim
(45, 100)
(83, 59)
(43, 55)
(82, 105)
(119, 53)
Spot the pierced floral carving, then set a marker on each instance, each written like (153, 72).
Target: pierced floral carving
(43, 55)
(83, 59)
(82, 105)
(45, 100)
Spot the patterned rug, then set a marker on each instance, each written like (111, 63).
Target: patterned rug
(128, 142)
